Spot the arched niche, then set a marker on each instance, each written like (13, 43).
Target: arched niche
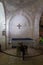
(24, 22)
(26, 18)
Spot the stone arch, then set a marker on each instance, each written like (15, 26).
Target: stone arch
(36, 26)
(7, 25)
(26, 16)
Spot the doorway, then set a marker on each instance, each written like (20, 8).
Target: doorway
(41, 31)
(41, 26)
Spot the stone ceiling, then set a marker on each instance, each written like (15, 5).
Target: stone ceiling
(21, 2)
(29, 5)
(25, 3)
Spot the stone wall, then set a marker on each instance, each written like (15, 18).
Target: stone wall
(32, 11)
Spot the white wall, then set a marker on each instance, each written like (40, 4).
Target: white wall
(2, 25)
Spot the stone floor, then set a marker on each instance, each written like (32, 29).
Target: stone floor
(11, 60)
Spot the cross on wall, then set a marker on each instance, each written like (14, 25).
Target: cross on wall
(19, 26)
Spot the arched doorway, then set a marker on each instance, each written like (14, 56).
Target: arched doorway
(41, 31)
(41, 26)
(37, 26)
